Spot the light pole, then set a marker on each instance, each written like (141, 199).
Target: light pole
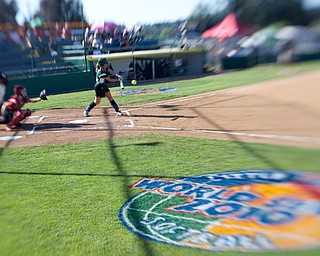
(84, 39)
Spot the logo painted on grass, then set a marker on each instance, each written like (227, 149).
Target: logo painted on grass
(249, 210)
(144, 91)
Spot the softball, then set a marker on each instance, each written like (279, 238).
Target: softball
(134, 82)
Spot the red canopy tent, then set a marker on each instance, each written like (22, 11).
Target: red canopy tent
(227, 28)
(103, 26)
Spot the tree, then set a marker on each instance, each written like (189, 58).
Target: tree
(60, 10)
(72, 10)
(8, 11)
(258, 13)
(208, 15)
(168, 32)
(265, 12)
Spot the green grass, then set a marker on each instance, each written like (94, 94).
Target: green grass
(65, 199)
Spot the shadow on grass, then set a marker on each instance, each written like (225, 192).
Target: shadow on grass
(125, 182)
(148, 144)
(91, 174)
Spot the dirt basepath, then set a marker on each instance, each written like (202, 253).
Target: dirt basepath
(281, 112)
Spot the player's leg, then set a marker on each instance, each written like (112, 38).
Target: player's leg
(2, 114)
(6, 116)
(92, 105)
(113, 103)
(18, 116)
(99, 91)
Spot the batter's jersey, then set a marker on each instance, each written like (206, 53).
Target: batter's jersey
(102, 73)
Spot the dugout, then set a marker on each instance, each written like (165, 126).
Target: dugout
(153, 64)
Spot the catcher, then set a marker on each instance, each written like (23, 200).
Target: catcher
(11, 111)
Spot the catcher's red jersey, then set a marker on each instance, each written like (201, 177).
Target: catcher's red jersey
(15, 103)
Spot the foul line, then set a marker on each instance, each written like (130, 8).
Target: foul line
(171, 102)
(310, 140)
(205, 95)
(301, 139)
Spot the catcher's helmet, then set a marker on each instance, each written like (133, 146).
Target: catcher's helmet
(4, 78)
(20, 91)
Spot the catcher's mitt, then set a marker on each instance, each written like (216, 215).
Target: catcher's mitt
(43, 95)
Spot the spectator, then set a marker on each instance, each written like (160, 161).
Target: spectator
(165, 64)
(39, 34)
(139, 72)
(85, 41)
(66, 33)
(108, 38)
(76, 41)
(23, 35)
(148, 70)
(53, 48)
(57, 32)
(96, 42)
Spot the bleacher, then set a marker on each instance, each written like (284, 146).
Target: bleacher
(72, 50)
(13, 58)
(18, 62)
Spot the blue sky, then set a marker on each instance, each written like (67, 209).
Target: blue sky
(124, 11)
(130, 12)
(312, 3)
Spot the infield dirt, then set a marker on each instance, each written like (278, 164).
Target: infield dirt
(280, 112)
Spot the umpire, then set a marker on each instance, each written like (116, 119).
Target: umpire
(3, 86)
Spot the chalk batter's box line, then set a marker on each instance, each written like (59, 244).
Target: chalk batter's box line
(53, 128)
(99, 128)
(62, 117)
(74, 116)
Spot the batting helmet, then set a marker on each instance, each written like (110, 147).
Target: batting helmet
(102, 61)
(20, 91)
(4, 78)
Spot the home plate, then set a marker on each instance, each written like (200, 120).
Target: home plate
(10, 137)
(80, 121)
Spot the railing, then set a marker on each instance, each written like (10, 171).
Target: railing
(78, 50)
(44, 71)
